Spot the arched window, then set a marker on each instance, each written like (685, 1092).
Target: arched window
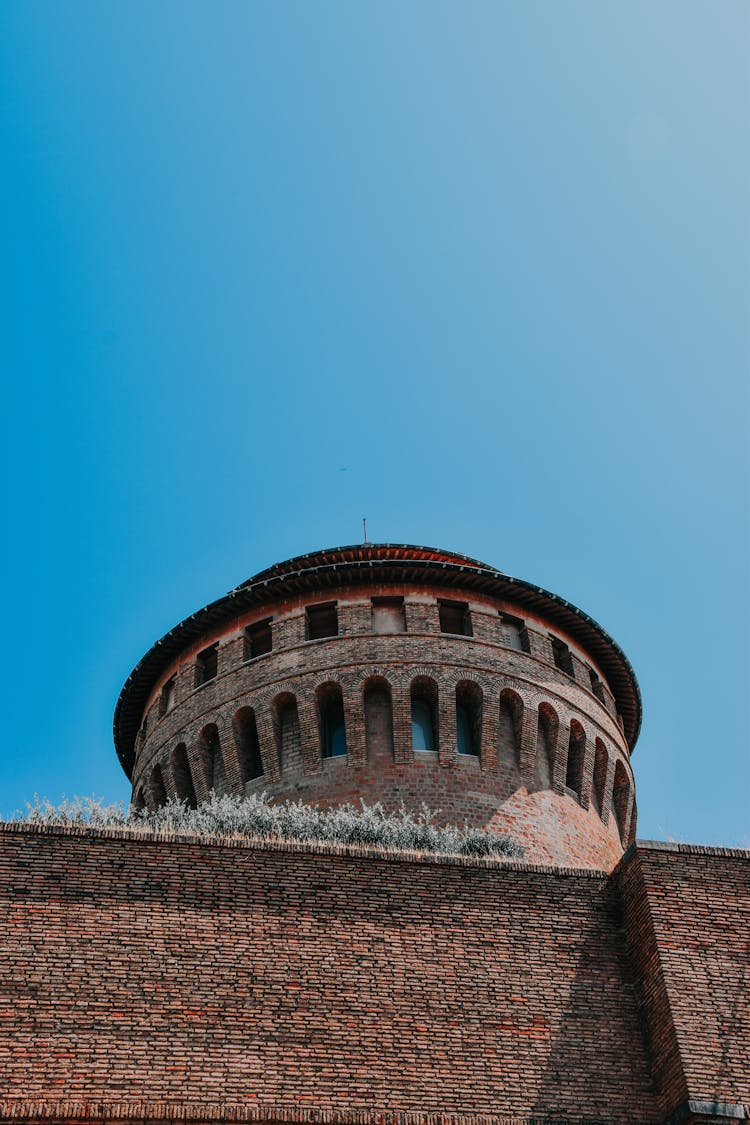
(334, 730)
(287, 732)
(212, 759)
(156, 788)
(378, 718)
(183, 779)
(468, 718)
(424, 714)
(601, 761)
(421, 725)
(464, 736)
(332, 724)
(248, 744)
(576, 749)
(546, 745)
(621, 799)
(510, 723)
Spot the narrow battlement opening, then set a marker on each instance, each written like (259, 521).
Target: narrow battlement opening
(207, 665)
(322, 621)
(258, 639)
(455, 618)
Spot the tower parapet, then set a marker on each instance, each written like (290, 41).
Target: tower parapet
(400, 674)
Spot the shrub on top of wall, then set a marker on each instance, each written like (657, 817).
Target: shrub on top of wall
(368, 825)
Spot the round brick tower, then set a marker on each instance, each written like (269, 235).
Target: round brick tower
(399, 674)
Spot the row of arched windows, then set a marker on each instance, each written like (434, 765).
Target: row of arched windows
(379, 740)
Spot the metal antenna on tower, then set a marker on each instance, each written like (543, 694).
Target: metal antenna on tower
(364, 530)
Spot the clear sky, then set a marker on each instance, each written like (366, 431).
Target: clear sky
(478, 271)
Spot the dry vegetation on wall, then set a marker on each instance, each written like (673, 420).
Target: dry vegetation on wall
(368, 825)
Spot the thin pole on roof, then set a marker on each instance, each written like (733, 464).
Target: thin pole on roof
(364, 530)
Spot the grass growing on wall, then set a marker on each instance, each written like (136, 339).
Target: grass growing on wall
(291, 820)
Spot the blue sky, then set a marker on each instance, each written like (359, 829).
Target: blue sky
(479, 272)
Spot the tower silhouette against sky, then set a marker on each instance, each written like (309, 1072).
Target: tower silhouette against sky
(399, 674)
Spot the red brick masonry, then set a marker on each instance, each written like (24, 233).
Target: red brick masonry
(162, 978)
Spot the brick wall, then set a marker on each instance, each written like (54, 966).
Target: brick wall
(143, 976)
(687, 913)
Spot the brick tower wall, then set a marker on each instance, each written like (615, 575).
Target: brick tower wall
(530, 715)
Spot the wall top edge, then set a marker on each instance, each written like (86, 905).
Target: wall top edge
(294, 847)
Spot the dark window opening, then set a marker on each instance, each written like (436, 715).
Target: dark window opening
(424, 703)
(621, 799)
(601, 765)
(422, 737)
(183, 779)
(464, 734)
(207, 665)
(561, 655)
(574, 767)
(166, 699)
(322, 621)
(388, 615)
(597, 686)
(157, 789)
(258, 639)
(334, 729)
(468, 718)
(455, 618)
(212, 759)
(248, 744)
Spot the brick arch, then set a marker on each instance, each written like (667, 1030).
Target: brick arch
(211, 759)
(182, 777)
(324, 678)
(156, 788)
(424, 690)
(377, 709)
(470, 697)
(601, 779)
(548, 732)
(574, 767)
(329, 713)
(510, 727)
(287, 731)
(247, 742)
(621, 800)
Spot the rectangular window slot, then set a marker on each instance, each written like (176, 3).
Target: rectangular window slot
(388, 615)
(207, 665)
(596, 686)
(514, 633)
(166, 698)
(561, 653)
(322, 621)
(258, 639)
(454, 618)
